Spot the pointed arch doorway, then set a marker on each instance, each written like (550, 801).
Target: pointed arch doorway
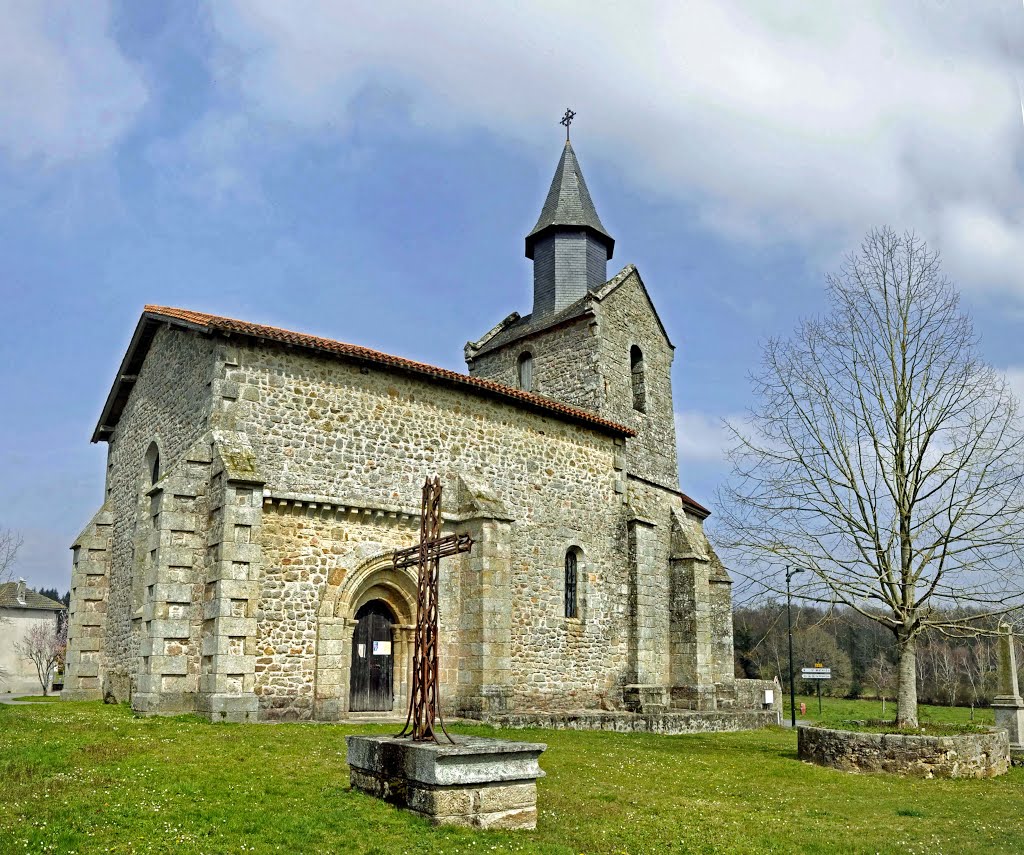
(371, 681)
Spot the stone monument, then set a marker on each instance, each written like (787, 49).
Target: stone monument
(473, 781)
(1008, 704)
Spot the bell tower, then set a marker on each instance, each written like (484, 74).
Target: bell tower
(569, 246)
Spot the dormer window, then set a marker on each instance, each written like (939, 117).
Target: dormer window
(636, 370)
(524, 370)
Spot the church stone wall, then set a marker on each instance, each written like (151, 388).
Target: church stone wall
(560, 662)
(587, 363)
(169, 405)
(626, 319)
(565, 364)
(310, 554)
(324, 428)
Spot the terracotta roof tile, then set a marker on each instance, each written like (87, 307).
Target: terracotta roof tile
(216, 323)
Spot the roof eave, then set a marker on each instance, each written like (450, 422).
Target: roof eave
(152, 320)
(600, 236)
(145, 330)
(694, 507)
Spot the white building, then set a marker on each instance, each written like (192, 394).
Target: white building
(20, 610)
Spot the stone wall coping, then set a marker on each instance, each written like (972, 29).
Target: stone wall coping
(672, 722)
(907, 738)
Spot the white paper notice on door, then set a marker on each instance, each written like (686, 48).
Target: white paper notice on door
(382, 648)
(362, 650)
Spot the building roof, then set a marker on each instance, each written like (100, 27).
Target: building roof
(516, 326)
(154, 316)
(9, 599)
(568, 203)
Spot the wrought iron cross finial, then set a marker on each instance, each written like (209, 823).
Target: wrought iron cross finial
(567, 120)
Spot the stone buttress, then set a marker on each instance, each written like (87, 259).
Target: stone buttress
(87, 618)
(231, 585)
(172, 546)
(485, 617)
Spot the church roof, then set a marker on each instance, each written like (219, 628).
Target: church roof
(568, 203)
(516, 327)
(154, 316)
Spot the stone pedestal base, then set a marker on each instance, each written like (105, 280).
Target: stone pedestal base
(1009, 712)
(478, 782)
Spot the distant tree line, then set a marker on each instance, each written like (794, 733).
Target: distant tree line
(54, 595)
(862, 655)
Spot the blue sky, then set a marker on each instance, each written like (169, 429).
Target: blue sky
(369, 174)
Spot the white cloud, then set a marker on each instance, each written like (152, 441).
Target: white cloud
(700, 437)
(784, 120)
(205, 161)
(66, 91)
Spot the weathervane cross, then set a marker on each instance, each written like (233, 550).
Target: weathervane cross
(567, 120)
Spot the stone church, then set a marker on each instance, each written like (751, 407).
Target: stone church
(258, 481)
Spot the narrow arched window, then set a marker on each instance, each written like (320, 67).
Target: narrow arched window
(153, 463)
(636, 370)
(525, 371)
(571, 586)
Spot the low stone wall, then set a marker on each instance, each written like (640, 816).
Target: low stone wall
(971, 755)
(750, 695)
(624, 722)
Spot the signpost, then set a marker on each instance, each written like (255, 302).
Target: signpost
(819, 672)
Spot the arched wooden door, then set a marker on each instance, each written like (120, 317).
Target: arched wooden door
(372, 681)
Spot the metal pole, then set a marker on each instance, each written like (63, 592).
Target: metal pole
(789, 621)
(819, 698)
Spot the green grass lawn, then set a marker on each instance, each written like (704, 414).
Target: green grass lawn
(40, 699)
(836, 710)
(84, 777)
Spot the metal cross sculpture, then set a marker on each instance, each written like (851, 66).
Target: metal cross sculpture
(424, 701)
(567, 120)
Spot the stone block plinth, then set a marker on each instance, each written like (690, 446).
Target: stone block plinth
(1009, 713)
(477, 782)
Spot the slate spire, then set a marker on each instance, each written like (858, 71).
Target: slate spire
(568, 203)
(569, 246)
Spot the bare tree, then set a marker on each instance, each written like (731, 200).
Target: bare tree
(44, 646)
(947, 662)
(977, 667)
(10, 543)
(885, 456)
(880, 676)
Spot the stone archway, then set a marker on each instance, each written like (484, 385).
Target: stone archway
(374, 579)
